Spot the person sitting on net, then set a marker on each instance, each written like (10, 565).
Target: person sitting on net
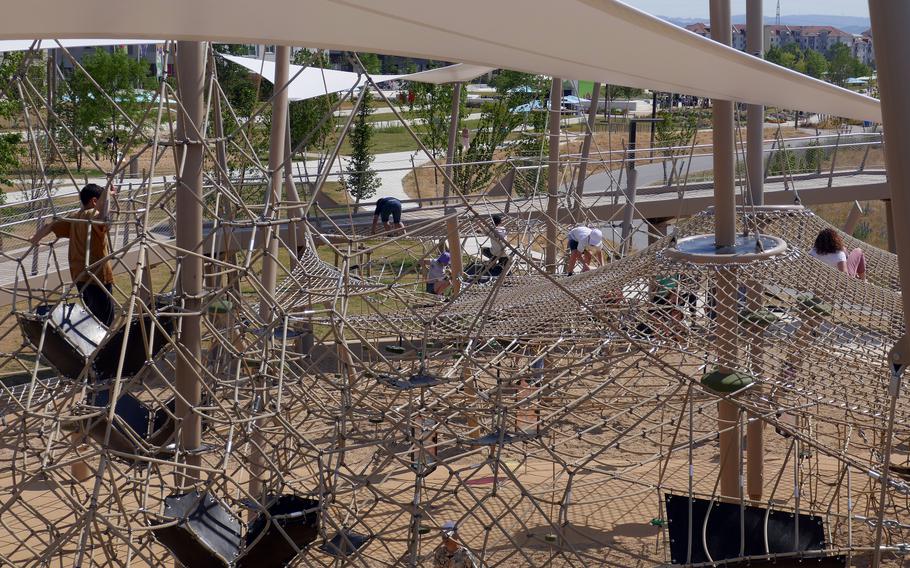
(437, 282)
(498, 239)
(451, 553)
(829, 248)
(87, 230)
(386, 208)
(584, 244)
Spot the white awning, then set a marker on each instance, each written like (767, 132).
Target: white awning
(309, 83)
(458, 73)
(26, 44)
(316, 81)
(600, 40)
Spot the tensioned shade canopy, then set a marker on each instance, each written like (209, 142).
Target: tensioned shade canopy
(309, 83)
(599, 40)
(26, 44)
(315, 81)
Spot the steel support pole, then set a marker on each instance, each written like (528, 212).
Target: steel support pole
(276, 178)
(889, 27)
(454, 239)
(51, 100)
(628, 212)
(724, 190)
(889, 220)
(189, 132)
(270, 260)
(755, 114)
(296, 229)
(856, 213)
(553, 174)
(453, 141)
(725, 236)
(586, 151)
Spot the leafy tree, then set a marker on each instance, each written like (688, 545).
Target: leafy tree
(519, 89)
(12, 147)
(11, 150)
(624, 93)
(673, 133)
(306, 114)
(783, 161)
(842, 65)
(242, 91)
(431, 106)
(789, 56)
(815, 64)
(370, 62)
(92, 117)
(360, 180)
(237, 83)
(496, 123)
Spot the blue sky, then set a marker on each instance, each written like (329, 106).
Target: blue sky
(699, 8)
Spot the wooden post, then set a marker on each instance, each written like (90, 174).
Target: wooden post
(856, 213)
(191, 83)
(553, 175)
(455, 251)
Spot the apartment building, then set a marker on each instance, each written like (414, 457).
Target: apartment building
(816, 38)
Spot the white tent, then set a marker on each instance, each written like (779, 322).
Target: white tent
(314, 81)
(601, 40)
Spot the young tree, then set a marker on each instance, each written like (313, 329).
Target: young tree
(242, 91)
(496, 123)
(526, 96)
(360, 180)
(673, 133)
(305, 115)
(370, 62)
(815, 64)
(842, 65)
(96, 120)
(431, 106)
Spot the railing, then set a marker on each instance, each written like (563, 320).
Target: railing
(849, 154)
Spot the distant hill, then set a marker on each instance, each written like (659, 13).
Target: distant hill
(851, 24)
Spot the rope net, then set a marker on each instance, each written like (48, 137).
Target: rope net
(555, 419)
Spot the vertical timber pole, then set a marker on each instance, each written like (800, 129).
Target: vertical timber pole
(628, 213)
(453, 141)
(553, 174)
(856, 213)
(191, 83)
(270, 260)
(586, 152)
(454, 239)
(725, 238)
(755, 121)
(51, 99)
(755, 114)
(889, 27)
(889, 222)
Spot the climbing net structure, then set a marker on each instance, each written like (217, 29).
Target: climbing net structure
(278, 388)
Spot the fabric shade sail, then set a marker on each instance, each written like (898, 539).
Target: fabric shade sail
(594, 40)
(26, 44)
(309, 82)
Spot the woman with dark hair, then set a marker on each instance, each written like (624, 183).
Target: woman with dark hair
(829, 248)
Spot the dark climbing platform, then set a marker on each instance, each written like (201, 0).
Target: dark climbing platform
(206, 533)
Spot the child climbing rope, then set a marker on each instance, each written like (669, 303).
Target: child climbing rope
(437, 281)
(386, 208)
(451, 553)
(498, 238)
(582, 241)
(87, 231)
